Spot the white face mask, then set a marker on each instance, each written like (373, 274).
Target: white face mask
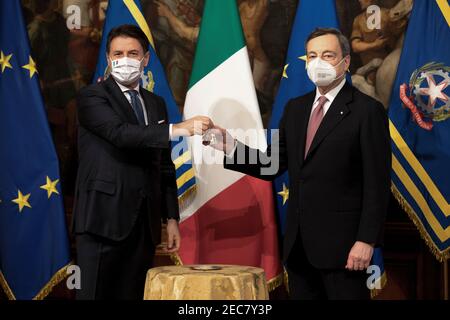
(126, 70)
(322, 73)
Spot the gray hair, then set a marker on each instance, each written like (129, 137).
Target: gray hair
(343, 41)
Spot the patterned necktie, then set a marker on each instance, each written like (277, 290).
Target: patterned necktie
(314, 123)
(137, 106)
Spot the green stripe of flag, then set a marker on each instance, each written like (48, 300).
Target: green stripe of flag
(220, 37)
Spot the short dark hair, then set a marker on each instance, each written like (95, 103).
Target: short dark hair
(128, 31)
(343, 41)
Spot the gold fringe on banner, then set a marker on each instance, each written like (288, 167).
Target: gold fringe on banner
(6, 287)
(383, 282)
(440, 255)
(186, 198)
(286, 280)
(60, 275)
(176, 259)
(275, 282)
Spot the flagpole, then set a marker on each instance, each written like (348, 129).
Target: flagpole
(445, 279)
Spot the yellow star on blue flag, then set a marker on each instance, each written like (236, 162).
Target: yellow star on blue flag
(31, 66)
(34, 247)
(4, 61)
(284, 194)
(50, 187)
(22, 200)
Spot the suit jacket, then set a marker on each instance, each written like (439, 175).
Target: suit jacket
(122, 164)
(339, 193)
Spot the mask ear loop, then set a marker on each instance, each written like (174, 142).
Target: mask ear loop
(342, 75)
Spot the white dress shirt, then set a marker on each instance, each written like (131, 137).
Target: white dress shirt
(128, 96)
(330, 95)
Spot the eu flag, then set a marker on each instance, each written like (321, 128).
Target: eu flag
(420, 126)
(34, 250)
(295, 82)
(129, 12)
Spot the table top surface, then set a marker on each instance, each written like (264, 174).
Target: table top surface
(207, 269)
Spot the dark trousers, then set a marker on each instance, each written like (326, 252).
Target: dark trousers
(309, 283)
(115, 270)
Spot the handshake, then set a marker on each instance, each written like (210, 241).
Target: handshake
(213, 135)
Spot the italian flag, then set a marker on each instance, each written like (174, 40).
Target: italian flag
(231, 220)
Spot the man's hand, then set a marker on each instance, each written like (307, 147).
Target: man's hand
(359, 256)
(173, 236)
(195, 125)
(219, 139)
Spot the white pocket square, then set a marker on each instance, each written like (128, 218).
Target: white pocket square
(161, 121)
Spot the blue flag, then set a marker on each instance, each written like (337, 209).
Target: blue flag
(420, 126)
(295, 82)
(34, 250)
(129, 12)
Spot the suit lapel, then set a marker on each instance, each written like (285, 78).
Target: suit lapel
(337, 111)
(150, 106)
(305, 111)
(119, 96)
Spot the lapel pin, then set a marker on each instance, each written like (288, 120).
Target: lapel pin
(342, 112)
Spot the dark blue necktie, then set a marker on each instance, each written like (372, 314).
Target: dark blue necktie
(137, 106)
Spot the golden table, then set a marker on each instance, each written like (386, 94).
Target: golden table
(206, 282)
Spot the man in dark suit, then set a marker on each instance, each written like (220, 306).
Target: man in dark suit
(334, 142)
(126, 180)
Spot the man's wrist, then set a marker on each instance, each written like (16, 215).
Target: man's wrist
(367, 243)
(229, 150)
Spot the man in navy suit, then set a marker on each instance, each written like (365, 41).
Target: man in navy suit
(126, 180)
